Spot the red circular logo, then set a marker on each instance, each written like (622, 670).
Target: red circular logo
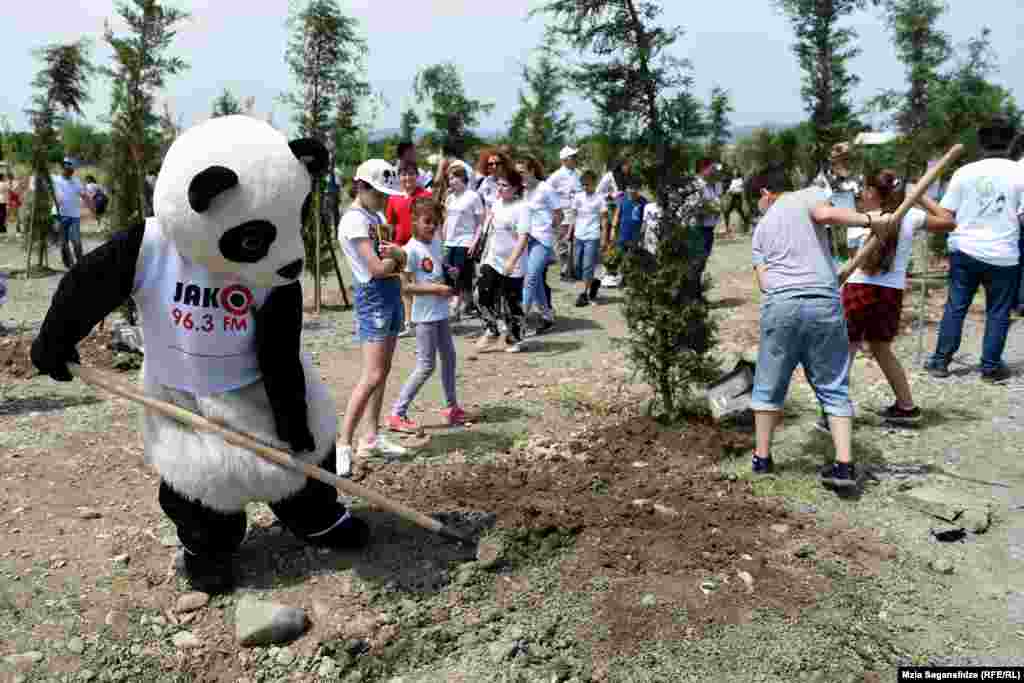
(236, 299)
(427, 264)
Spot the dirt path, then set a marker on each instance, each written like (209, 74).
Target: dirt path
(624, 551)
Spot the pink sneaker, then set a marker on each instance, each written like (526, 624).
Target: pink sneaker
(455, 415)
(398, 423)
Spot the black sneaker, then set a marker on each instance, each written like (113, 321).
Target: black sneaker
(582, 300)
(839, 475)
(997, 376)
(211, 574)
(761, 465)
(939, 370)
(544, 325)
(594, 286)
(822, 425)
(899, 415)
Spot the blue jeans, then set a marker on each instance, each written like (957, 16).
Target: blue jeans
(70, 236)
(965, 275)
(709, 239)
(809, 331)
(537, 259)
(588, 253)
(379, 310)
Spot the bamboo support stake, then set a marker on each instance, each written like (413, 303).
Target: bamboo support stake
(102, 380)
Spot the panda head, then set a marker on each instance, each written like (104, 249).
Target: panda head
(232, 195)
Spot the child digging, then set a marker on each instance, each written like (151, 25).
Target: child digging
(424, 275)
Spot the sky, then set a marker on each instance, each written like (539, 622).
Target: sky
(742, 45)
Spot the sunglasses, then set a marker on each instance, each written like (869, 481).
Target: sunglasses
(504, 186)
(494, 162)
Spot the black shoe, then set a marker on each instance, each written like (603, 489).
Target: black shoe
(582, 300)
(594, 286)
(211, 574)
(351, 533)
(544, 325)
(761, 465)
(938, 370)
(898, 415)
(839, 476)
(822, 425)
(997, 376)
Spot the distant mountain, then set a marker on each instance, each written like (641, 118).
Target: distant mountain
(738, 132)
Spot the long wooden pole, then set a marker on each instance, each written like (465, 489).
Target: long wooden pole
(873, 242)
(102, 380)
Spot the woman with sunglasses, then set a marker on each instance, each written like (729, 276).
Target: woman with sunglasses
(501, 279)
(490, 164)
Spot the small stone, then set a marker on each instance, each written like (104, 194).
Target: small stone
(975, 520)
(805, 550)
(121, 560)
(649, 600)
(780, 528)
(666, 510)
(502, 650)
(89, 513)
(746, 578)
(185, 640)
(190, 602)
(76, 645)
(263, 623)
(327, 668)
(941, 566)
(86, 675)
(640, 502)
(29, 658)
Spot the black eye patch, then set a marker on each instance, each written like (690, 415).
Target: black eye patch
(208, 184)
(249, 242)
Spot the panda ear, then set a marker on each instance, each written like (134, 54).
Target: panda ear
(311, 153)
(208, 184)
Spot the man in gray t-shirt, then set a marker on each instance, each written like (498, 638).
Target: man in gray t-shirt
(802, 320)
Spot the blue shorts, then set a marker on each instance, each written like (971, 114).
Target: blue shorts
(810, 332)
(587, 256)
(71, 228)
(379, 312)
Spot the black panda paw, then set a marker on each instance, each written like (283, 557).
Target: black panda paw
(299, 439)
(351, 533)
(210, 574)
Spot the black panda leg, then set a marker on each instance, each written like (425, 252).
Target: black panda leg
(315, 514)
(210, 539)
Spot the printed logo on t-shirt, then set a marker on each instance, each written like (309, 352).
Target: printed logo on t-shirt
(991, 200)
(235, 300)
(427, 264)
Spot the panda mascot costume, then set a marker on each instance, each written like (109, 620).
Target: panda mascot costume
(215, 276)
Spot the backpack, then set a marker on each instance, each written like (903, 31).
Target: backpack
(100, 201)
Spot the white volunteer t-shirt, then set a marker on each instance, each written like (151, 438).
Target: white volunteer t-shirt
(607, 185)
(488, 191)
(463, 214)
(897, 277)
(199, 326)
(589, 209)
(359, 224)
(542, 202)
(988, 200)
(510, 221)
(652, 216)
(566, 182)
(69, 195)
(426, 263)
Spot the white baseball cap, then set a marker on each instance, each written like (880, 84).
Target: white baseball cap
(380, 175)
(567, 152)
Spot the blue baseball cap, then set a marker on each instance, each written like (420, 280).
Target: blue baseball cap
(68, 161)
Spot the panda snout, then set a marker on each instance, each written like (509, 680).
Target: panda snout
(292, 270)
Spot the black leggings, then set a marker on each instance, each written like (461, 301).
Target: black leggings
(501, 298)
(208, 532)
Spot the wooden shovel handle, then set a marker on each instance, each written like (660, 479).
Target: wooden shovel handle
(873, 243)
(104, 381)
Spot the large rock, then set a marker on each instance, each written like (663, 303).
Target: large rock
(264, 623)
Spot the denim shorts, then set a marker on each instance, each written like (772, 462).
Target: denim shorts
(808, 331)
(379, 312)
(71, 228)
(588, 253)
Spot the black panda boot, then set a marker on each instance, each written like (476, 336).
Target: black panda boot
(348, 533)
(211, 574)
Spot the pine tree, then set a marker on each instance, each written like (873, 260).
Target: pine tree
(141, 68)
(625, 68)
(539, 123)
(719, 124)
(61, 88)
(451, 112)
(824, 50)
(226, 104)
(410, 120)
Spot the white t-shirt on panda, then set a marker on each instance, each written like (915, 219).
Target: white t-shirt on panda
(199, 326)
(357, 224)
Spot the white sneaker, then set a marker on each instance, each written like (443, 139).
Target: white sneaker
(343, 460)
(381, 446)
(514, 348)
(408, 331)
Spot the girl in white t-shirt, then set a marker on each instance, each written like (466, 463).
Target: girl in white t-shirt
(873, 296)
(538, 244)
(464, 214)
(424, 276)
(375, 264)
(590, 209)
(501, 290)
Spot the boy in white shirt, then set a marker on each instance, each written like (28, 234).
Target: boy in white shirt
(590, 218)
